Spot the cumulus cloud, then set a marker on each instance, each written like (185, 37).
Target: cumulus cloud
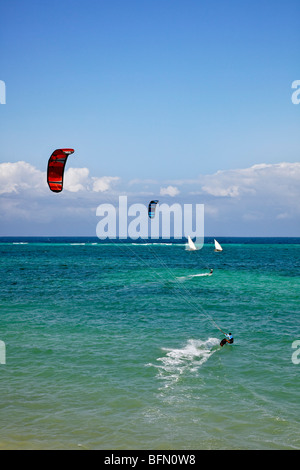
(104, 184)
(169, 191)
(76, 179)
(216, 190)
(27, 206)
(279, 180)
(18, 176)
(262, 199)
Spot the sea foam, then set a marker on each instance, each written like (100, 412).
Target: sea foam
(189, 358)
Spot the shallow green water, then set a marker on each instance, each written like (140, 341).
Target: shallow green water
(115, 346)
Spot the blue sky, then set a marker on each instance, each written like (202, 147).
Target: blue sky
(147, 90)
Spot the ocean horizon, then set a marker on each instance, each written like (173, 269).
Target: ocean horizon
(95, 239)
(114, 344)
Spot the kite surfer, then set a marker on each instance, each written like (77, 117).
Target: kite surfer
(228, 339)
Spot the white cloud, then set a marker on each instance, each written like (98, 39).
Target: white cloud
(262, 199)
(15, 177)
(76, 179)
(104, 183)
(280, 180)
(20, 176)
(169, 191)
(27, 206)
(215, 190)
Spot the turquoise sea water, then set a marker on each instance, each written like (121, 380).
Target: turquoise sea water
(116, 346)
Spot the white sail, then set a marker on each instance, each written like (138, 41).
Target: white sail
(218, 246)
(191, 244)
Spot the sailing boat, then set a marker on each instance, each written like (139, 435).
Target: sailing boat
(191, 245)
(218, 246)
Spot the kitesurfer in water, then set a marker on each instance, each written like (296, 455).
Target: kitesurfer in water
(211, 271)
(228, 339)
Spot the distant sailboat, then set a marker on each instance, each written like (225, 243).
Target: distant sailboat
(191, 245)
(218, 246)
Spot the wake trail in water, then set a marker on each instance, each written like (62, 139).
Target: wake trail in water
(190, 276)
(177, 362)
